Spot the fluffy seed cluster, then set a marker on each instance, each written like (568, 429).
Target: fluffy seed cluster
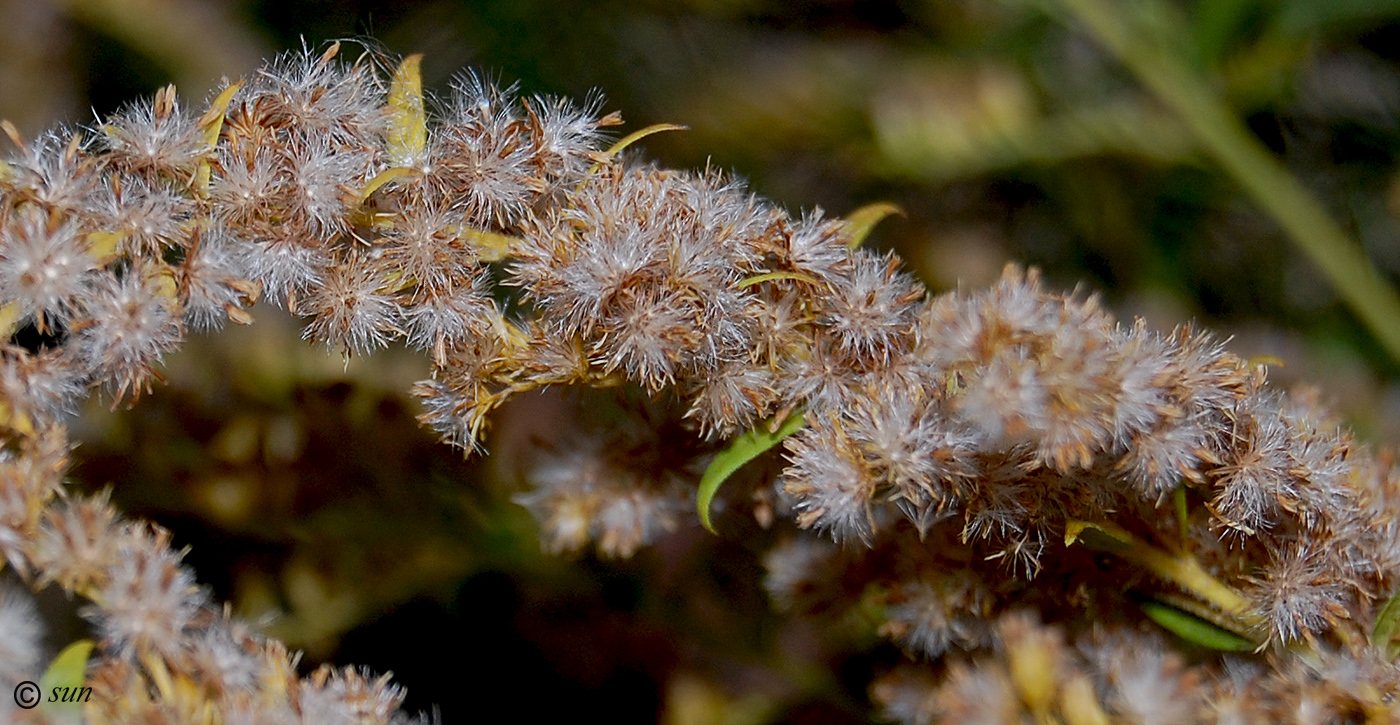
(1030, 673)
(950, 442)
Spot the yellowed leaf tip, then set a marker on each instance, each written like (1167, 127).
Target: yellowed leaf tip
(212, 124)
(408, 123)
(1075, 529)
(12, 133)
(860, 222)
(330, 53)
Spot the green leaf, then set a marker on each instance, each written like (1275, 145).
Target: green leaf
(408, 123)
(860, 222)
(1387, 623)
(1183, 514)
(771, 276)
(1098, 535)
(1194, 629)
(741, 450)
(640, 134)
(68, 670)
(383, 178)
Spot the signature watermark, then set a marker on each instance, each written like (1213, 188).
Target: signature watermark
(28, 695)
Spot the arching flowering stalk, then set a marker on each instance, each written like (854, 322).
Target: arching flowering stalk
(952, 443)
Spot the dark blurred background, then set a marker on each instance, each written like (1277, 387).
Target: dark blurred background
(313, 503)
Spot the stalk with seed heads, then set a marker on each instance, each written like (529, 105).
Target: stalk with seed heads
(983, 471)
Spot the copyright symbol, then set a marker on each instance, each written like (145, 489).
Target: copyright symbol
(27, 695)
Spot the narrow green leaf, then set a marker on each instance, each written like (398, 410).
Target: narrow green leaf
(1183, 513)
(770, 276)
(383, 178)
(1387, 624)
(69, 671)
(1194, 629)
(632, 138)
(741, 450)
(859, 222)
(642, 133)
(408, 123)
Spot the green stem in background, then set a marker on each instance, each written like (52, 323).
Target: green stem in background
(1145, 48)
(195, 41)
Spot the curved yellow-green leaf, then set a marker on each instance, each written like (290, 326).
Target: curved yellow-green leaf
(858, 223)
(63, 682)
(634, 137)
(741, 450)
(1194, 629)
(770, 276)
(408, 123)
(211, 125)
(642, 133)
(1387, 624)
(383, 178)
(490, 246)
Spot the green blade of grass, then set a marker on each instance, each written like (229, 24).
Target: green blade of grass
(741, 450)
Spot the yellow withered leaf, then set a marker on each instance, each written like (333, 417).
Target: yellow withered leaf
(163, 282)
(16, 420)
(408, 124)
(211, 124)
(490, 246)
(9, 318)
(102, 245)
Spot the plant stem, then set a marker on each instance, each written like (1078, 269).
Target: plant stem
(1180, 569)
(1221, 134)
